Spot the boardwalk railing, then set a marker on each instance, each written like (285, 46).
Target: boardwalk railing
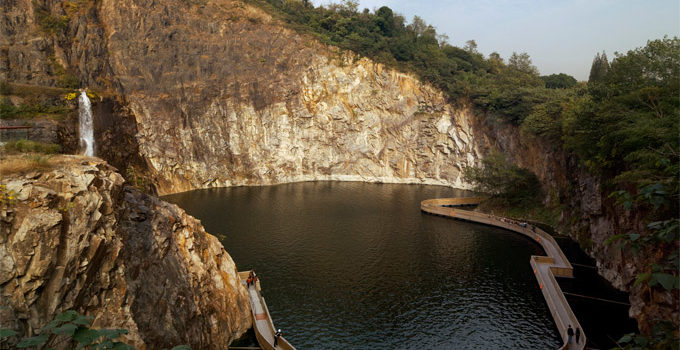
(262, 320)
(545, 267)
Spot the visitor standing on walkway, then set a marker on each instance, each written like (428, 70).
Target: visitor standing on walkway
(276, 336)
(570, 333)
(578, 334)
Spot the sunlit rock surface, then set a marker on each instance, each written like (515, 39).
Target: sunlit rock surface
(77, 238)
(217, 93)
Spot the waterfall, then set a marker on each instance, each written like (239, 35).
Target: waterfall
(85, 120)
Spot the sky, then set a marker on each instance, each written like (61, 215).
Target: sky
(561, 36)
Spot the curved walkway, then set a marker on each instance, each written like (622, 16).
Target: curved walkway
(546, 268)
(262, 320)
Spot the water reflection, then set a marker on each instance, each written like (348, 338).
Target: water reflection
(356, 265)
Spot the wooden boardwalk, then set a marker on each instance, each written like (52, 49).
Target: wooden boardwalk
(262, 320)
(546, 268)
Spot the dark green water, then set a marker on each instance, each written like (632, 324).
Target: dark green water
(358, 266)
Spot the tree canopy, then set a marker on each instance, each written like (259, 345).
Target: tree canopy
(505, 91)
(599, 68)
(559, 81)
(622, 125)
(504, 181)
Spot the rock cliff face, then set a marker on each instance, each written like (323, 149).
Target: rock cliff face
(77, 238)
(223, 95)
(217, 93)
(248, 102)
(589, 217)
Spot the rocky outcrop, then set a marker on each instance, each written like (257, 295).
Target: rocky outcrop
(336, 127)
(223, 95)
(77, 238)
(217, 93)
(248, 102)
(589, 217)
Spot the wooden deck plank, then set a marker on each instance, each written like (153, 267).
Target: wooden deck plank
(546, 268)
(262, 321)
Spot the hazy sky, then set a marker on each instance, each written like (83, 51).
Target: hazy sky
(561, 36)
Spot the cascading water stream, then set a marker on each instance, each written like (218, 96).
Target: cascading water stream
(86, 125)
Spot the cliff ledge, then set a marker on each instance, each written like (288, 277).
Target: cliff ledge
(77, 238)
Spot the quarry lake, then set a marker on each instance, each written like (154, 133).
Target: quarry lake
(356, 265)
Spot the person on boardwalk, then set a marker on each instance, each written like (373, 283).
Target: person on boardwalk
(578, 334)
(276, 336)
(249, 281)
(570, 333)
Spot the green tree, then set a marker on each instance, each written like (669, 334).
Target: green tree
(503, 180)
(545, 118)
(559, 81)
(418, 26)
(72, 328)
(599, 68)
(522, 63)
(470, 46)
(384, 19)
(628, 129)
(495, 56)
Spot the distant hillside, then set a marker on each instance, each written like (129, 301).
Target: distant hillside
(508, 90)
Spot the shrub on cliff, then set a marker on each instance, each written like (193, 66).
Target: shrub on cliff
(5, 88)
(48, 22)
(559, 81)
(27, 146)
(70, 328)
(504, 181)
(507, 91)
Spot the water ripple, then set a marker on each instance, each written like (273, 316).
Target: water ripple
(353, 265)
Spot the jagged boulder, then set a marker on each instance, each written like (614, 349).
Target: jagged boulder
(77, 238)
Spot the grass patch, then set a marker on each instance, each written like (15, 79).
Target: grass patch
(5, 88)
(49, 23)
(27, 111)
(65, 79)
(34, 91)
(27, 146)
(34, 100)
(24, 163)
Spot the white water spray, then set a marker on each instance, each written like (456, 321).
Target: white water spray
(86, 124)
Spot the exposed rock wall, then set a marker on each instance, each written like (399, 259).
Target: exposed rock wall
(223, 96)
(588, 216)
(404, 133)
(217, 93)
(77, 238)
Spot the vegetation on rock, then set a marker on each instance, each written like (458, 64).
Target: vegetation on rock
(622, 125)
(7, 197)
(507, 91)
(49, 23)
(33, 101)
(28, 146)
(504, 181)
(17, 164)
(71, 329)
(626, 130)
